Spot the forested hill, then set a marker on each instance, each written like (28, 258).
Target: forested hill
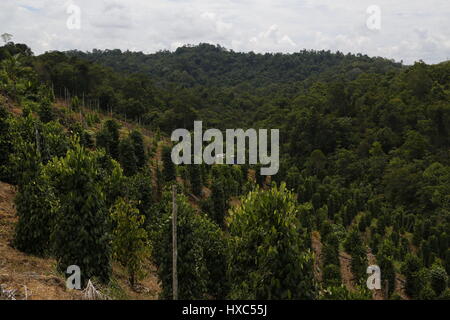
(210, 65)
(364, 170)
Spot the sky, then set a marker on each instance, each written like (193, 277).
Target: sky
(403, 30)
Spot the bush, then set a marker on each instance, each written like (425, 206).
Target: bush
(331, 275)
(438, 278)
(201, 251)
(139, 149)
(268, 258)
(355, 247)
(168, 165)
(108, 138)
(127, 157)
(6, 146)
(46, 113)
(342, 293)
(130, 244)
(82, 229)
(36, 206)
(411, 269)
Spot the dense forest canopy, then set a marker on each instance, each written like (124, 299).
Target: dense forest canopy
(365, 167)
(209, 65)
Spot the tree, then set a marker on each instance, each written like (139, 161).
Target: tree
(14, 70)
(168, 165)
(331, 275)
(127, 157)
(140, 190)
(317, 162)
(130, 245)
(108, 138)
(6, 37)
(268, 257)
(75, 104)
(196, 179)
(201, 251)
(219, 201)
(6, 146)
(355, 247)
(36, 205)
(139, 149)
(388, 273)
(46, 113)
(82, 230)
(410, 270)
(419, 82)
(439, 279)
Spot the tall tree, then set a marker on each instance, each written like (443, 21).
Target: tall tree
(268, 256)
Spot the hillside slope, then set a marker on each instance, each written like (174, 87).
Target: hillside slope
(33, 278)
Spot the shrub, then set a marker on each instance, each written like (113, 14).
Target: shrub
(168, 165)
(82, 229)
(201, 251)
(438, 278)
(36, 206)
(268, 258)
(130, 243)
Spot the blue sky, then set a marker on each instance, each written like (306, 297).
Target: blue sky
(409, 30)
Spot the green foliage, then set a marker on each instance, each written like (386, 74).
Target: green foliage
(139, 189)
(386, 264)
(439, 279)
(75, 104)
(355, 247)
(331, 275)
(364, 147)
(139, 149)
(201, 252)
(196, 179)
(82, 230)
(45, 112)
(6, 146)
(411, 269)
(130, 245)
(342, 293)
(108, 138)
(168, 165)
(268, 257)
(127, 157)
(218, 202)
(36, 205)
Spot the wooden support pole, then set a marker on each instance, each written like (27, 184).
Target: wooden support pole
(174, 243)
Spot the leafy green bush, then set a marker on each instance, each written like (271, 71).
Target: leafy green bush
(201, 251)
(268, 258)
(169, 171)
(438, 278)
(130, 245)
(36, 206)
(82, 230)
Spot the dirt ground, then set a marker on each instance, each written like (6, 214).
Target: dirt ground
(346, 272)
(317, 249)
(34, 278)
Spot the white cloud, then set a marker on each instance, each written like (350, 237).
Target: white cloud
(271, 40)
(410, 29)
